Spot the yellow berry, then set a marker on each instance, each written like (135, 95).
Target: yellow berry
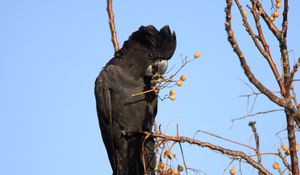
(297, 147)
(279, 150)
(275, 165)
(197, 54)
(232, 171)
(287, 152)
(179, 168)
(278, 1)
(284, 147)
(172, 92)
(245, 12)
(183, 77)
(278, 5)
(170, 171)
(172, 97)
(175, 172)
(276, 14)
(271, 18)
(179, 83)
(168, 154)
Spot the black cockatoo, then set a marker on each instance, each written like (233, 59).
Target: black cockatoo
(130, 71)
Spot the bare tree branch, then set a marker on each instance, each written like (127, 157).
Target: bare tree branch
(283, 48)
(112, 26)
(243, 62)
(267, 53)
(234, 153)
(290, 118)
(285, 18)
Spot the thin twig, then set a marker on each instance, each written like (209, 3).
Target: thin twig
(283, 158)
(183, 159)
(145, 92)
(256, 94)
(295, 68)
(143, 152)
(294, 95)
(261, 154)
(240, 167)
(257, 113)
(232, 141)
(112, 26)
(256, 137)
(196, 171)
(225, 169)
(181, 150)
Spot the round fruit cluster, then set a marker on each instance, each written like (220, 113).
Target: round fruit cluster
(286, 150)
(163, 170)
(179, 83)
(275, 13)
(166, 167)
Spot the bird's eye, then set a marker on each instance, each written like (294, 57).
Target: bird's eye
(151, 55)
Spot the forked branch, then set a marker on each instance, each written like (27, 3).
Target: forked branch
(244, 65)
(225, 151)
(285, 81)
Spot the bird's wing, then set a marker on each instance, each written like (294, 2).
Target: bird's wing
(104, 109)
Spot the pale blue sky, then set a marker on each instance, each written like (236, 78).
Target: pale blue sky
(52, 51)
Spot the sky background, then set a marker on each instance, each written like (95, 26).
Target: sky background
(52, 51)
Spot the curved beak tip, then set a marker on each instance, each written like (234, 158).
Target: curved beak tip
(162, 67)
(159, 67)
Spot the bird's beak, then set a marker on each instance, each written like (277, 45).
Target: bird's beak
(159, 67)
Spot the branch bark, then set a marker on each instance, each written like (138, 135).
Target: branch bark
(229, 152)
(257, 150)
(267, 53)
(112, 26)
(292, 140)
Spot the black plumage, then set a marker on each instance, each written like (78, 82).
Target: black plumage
(130, 71)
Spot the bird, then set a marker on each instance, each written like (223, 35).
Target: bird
(132, 70)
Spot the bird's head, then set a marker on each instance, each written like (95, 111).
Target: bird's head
(153, 47)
